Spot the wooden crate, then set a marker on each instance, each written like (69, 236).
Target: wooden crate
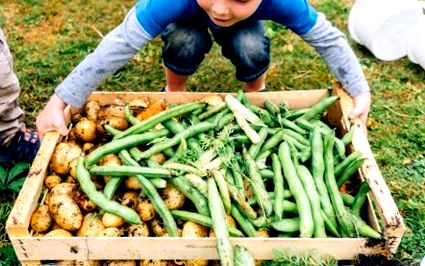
(30, 250)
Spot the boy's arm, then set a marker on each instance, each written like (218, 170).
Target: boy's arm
(333, 47)
(116, 48)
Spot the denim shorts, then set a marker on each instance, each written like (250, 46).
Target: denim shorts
(244, 44)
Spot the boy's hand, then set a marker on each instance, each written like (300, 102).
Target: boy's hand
(51, 117)
(361, 108)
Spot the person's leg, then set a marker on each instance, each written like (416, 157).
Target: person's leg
(11, 115)
(185, 46)
(16, 143)
(249, 51)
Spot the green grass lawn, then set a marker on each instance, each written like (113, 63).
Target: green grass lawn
(48, 38)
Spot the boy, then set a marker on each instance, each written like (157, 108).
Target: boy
(235, 25)
(16, 143)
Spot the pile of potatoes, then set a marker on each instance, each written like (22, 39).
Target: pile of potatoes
(66, 211)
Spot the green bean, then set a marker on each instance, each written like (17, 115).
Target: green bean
(349, 171)
(202, 220)
(272, 142)
(150, 191)
(117, 145)
(240, 200)
(347, 198)
(296, 114)
(129, 115)
(187, 133)
(278, 186)
(318, 170)
(360, 198)
(184, 168)
(243, 222)
(319, 108)
(255, 147)
(197, 182)
(160, 117)
(266, 173)
(363, 228)
(222, 188)
(296, 136)
(340, 148)
(175, 127)
(297, 190)
(257, 183)
(237, 176)
(243, 257)
(348, 137)
(218, 216)
(341, 167)
(287, 225)
(314, 198)
(126, 170)
(293, 126)
(199, 200)
(88, 187)
(330, 225)
(342, 215)
(212, 111)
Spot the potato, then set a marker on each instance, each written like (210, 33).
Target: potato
(55, 226)
(131, 182)
(157, 227)
(64, 210)
(138, 230)
(109, 232)
(157, 263)
(158, 157)
(58, 233)
(172, 197)
(112, 115)
(62, 156)
(88, 263)
(213, 100)
(91, 109)
(263, 233)
(91, 225)
(73, 168)
(145, 209)
(85, 130)
(41, 219)
(109, 160)
(52, 180)
(88, 147)
(191, 229)
(129, 199)
(138, 104)
(121, 263)
(112, 220)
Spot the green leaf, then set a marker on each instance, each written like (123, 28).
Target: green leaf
(16, 185)
(17, 170)
(3, 176)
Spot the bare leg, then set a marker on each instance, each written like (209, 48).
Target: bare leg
(256, 85)
(175, 82)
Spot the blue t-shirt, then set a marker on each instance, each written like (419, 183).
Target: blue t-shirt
(155, 15)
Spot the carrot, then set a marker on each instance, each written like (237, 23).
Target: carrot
(153, 109)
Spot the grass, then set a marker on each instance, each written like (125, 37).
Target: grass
(49, 38)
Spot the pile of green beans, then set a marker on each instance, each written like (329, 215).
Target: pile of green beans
(288, 181)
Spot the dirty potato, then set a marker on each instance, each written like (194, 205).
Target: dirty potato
(112, 220)
(172, 197)
(58, 233)
(41, 219)
(62, 156)
(52, 180)
(145, 209)
(85, 130)
(91, 225)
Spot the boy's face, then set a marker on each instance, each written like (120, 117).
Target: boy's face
(225, 13)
